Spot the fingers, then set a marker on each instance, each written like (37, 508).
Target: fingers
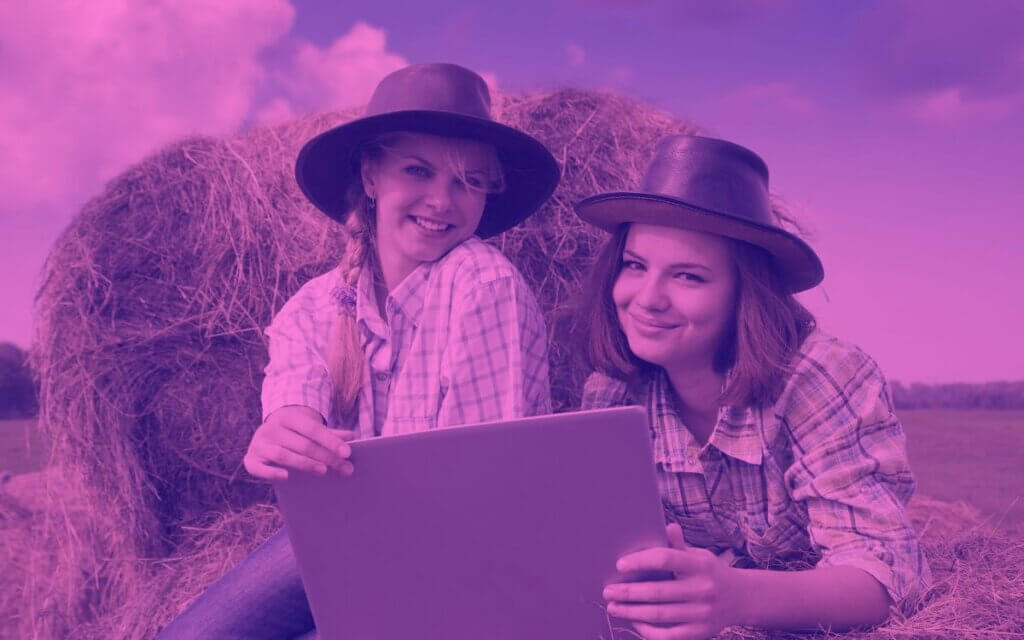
(662, 613)
(259, 469)
(330, 439)
(675, 536)
(680, 561)
(304, 445)
(660, 591)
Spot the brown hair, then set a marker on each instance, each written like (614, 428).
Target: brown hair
(768, 327)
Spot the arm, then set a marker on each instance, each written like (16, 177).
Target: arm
(297, 392)
(839, 598)
(496, 363)
(296, 373)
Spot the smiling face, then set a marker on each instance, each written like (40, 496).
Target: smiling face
(674, 296)
(430, 194)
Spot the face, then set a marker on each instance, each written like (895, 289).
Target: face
(674, 295)
(430, 194)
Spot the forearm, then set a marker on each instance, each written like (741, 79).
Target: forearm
(840, 598)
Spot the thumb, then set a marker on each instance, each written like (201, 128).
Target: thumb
(675, 536)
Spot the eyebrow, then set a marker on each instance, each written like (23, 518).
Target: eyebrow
(674, 265)
(422, 160)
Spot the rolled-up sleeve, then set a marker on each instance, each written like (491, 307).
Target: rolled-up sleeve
(297, 372)
(495, 366)
(850, 470)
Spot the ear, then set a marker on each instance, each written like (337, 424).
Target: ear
(368, 174)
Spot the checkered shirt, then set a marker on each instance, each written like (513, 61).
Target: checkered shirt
(461, 341)
(820, 478)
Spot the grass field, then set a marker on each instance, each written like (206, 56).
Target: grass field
(974, 456)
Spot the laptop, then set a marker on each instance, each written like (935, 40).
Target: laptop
(505, 530)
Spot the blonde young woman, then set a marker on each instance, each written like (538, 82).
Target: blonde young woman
(422, 325)
(775, 443)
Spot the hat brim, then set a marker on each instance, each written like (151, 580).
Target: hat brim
(327, 164)
(798, 263)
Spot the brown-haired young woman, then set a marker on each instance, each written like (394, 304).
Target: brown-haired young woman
(775, 444)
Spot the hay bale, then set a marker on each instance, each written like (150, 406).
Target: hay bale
(149, 347)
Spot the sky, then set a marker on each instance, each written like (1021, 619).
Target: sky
(892, 129)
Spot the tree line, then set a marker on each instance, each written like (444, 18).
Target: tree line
(19, 392)
(959, 395)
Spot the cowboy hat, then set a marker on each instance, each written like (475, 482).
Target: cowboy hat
(712, 186)
(440, 99)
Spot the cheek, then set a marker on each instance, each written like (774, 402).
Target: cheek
(622, 292)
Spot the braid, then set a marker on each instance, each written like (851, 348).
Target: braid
(345, 352)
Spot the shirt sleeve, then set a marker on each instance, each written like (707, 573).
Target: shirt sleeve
(297, 372)
(495, 366)
(601, 391)
(850, 470)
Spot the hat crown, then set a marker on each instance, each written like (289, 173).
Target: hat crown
(432, 87)
(710, 174)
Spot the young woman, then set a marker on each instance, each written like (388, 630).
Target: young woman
(421, 326)
(775, 444)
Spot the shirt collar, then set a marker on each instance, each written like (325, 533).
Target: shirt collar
(737, 432)
(407, 297)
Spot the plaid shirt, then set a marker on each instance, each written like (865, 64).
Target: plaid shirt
(462, 341)
(821, 476)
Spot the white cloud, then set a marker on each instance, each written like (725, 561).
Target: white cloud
(94, 86)
(575, 54)
(951, 106)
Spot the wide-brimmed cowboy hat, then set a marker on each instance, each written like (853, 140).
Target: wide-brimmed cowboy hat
(712, 186)
(440, 99)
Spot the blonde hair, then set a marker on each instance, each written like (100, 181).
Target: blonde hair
(345, 360)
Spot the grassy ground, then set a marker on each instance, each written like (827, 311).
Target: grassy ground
(21, 449)
(974, 456)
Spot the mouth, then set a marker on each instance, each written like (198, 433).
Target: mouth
(650, 324)
(433, 226)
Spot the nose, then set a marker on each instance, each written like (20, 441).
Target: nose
(439, 193)
(650, 295)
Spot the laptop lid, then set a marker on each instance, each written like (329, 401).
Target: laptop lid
(501, 530)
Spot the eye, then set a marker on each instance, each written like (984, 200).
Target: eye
(689, 276)
(632, 265)
(418, 171)
(475, 182)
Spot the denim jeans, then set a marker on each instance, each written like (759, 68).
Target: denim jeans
(261, 598)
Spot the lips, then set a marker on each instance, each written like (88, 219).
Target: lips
(433, 226)
(650, 323)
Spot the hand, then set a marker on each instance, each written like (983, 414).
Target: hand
(294, 437)
(697, 604)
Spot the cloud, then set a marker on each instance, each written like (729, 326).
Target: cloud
(574, 54)
(781, 96)
(951, 106)
(93, 86)
(89, 88)
(945, 60)
(341, 75)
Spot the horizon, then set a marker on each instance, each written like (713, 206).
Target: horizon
(891, 129)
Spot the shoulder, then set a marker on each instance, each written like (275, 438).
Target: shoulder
(475, 262)
(601, 390)
(828, 362)
(314, 296)
(833, 382)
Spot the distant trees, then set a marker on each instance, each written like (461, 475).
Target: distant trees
(18, 392)
(990, 395)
